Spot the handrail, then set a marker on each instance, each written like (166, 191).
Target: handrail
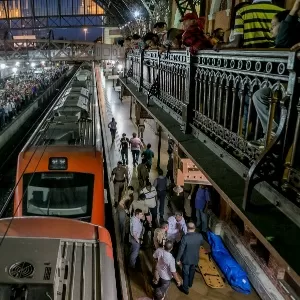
(212, 93)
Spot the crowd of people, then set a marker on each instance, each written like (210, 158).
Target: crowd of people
(143, 221)
(247, 30)
(18, 91)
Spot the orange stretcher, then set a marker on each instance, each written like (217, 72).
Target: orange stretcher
(209, 271)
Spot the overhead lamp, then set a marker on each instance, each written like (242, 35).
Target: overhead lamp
(178, 189)
(120, 67)
(42, 62)
(17, 63)
(15, 69)
(136, 13)
(32, 64)
(2, 66)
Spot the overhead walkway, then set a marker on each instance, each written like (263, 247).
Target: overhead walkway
(12, 51)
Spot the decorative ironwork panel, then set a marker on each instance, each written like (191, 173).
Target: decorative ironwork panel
(225, 84)
(173, 72)
(134, 66)
(150, 68)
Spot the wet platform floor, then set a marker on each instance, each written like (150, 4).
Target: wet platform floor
(140, 279)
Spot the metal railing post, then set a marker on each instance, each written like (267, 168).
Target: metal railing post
(188, 103)
(141, 80)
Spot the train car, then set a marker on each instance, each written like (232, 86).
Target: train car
(60, 169)
(67, 259)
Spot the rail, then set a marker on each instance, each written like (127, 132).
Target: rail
(211, 93)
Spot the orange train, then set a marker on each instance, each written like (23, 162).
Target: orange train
(59, 259)
(60, 169)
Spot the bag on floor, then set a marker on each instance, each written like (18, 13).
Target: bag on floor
(233, 272)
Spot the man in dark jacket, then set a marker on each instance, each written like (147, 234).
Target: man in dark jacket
(188, 256)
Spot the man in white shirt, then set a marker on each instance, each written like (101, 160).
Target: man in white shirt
(166, 269)
(151, 194)
(136, 145)
(177, 227)
(136, 231)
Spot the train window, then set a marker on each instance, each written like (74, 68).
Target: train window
(62, 194)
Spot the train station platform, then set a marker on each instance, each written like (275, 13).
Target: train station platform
(139, 281)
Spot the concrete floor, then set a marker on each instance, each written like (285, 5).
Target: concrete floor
(120, 111)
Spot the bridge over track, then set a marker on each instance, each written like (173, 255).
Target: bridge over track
(57, 50)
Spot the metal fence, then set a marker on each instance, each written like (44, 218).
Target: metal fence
(234, 98)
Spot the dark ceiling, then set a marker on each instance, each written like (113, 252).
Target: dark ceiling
(123, 10)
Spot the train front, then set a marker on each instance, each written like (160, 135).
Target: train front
(54, 258)
(60, 169)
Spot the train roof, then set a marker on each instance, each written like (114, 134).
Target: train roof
(60, 259)
(70, 121)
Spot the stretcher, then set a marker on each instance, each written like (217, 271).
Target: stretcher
(209, 270)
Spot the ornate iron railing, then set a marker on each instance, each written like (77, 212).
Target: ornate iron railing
(217, 94)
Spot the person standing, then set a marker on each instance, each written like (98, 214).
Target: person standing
(161, 185)
(148, 154)
(123, 211)
(151, 194)
(113, 129)
(188, 190)
(177, 228)
(166, 269)
(124, 145)
(188, 256)
(201, 204)
(141, 129)
(160, 235)
(136, 145)
(143, 174)
(136, 232)
(170, 164)
(119, 176)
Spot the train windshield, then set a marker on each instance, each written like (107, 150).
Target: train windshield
(58, 194)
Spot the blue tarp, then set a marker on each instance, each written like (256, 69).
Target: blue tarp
(233, 272)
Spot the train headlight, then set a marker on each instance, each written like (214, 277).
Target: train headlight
(58, 163)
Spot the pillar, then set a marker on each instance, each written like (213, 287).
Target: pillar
(225, 210)
(159, 147)
(130, 112)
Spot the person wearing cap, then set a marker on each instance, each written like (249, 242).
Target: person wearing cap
(124, 146)
(119, 176)
(193, 36)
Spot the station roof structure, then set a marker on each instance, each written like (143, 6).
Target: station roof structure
(49, 14)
